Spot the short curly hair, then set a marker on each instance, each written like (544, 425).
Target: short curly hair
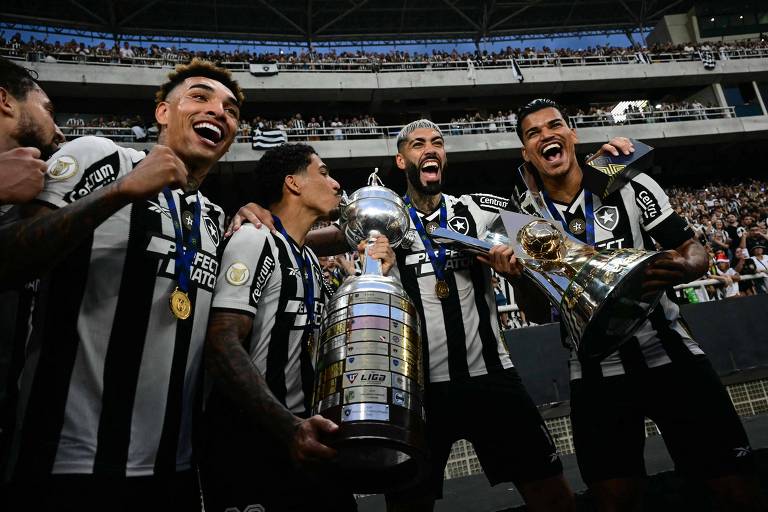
(204, 68)
(275, 165)
(534, 106)
(18, 81)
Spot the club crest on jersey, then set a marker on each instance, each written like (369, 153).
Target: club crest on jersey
(213, 230)
(237, 274)
(63, 168)
(607, 217)
(459, 225)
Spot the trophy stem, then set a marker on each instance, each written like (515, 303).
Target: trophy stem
(371, 266)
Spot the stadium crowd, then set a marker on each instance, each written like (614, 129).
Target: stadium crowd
(153, 54)
(132, 128)
(730, 220)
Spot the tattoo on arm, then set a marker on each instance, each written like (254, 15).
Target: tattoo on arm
(235, 374)
(35, 244)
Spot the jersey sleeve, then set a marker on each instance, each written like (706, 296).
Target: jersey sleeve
(82, 166)
(486, 213)
(247, 265)
(657, 217)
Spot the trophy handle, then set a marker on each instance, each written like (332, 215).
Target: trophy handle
(371, 266)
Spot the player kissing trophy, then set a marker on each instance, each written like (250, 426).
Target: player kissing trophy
(598, 292)
(369, 369)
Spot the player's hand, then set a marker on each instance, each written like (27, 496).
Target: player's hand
(159, 169)
(254, 214)
(503, 260)
(306, 446)
(668, 270)
(618, 145)
(22, 175)
(380, 250)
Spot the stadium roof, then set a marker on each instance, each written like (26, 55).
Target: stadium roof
(339, 20)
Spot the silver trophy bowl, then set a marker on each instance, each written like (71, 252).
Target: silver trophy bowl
(369, 370)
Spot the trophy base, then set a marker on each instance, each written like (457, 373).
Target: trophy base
(377, 457)
(606, 301)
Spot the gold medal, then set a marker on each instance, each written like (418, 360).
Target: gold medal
(431, 227)
(180, 304)
(442, 290)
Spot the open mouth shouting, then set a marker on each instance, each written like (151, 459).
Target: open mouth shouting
(552, 152)
(210, 134)
(430, 170)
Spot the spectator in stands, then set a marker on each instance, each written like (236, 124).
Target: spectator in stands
(75, 123)
(126, 54)
(752, 237)
(726, 275)
(761, 265)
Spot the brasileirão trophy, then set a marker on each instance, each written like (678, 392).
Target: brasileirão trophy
(598, 292)
(369, 370)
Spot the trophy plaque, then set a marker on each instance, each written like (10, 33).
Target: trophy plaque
(369, 370)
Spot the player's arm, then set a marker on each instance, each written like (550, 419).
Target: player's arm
(327, 241)
(34, 245)
(684, 258)
(230, 365)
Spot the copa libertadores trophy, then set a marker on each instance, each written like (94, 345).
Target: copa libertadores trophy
(369, 375)
(598, 292)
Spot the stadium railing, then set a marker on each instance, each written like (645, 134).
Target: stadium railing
(375, 65)
(457, 128)
(655, 116)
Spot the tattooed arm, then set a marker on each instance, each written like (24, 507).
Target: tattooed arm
(34, 245)
(235, 374)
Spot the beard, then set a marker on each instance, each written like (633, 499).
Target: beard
(414, 178)
(29, 135)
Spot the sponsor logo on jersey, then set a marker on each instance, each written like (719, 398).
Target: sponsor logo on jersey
(607, 217)
(264, 272)
(408, 239)
(498, 203)
(63, 168)
(237, 274)
(649, 205)
(459, 225)
(96, 176)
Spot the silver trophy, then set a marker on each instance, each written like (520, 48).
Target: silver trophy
(598, 292)
(369, 369)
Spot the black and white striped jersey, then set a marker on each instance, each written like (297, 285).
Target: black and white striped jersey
(638, 215)
(111, 377)
(261, 277)
(462, 332)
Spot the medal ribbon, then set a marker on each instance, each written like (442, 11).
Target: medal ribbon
(184, 256)
(437, 259)
(588, 213)
(305, 268)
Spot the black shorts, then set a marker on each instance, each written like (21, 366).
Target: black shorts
(242, 467)
(88, 493)
(685, 399)
(495, 413)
